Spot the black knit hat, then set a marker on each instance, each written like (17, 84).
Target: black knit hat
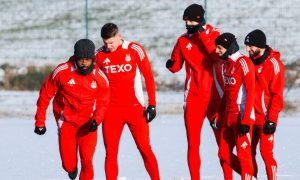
(225, 40)
(256, 38)
(84, 48)
(194, 12)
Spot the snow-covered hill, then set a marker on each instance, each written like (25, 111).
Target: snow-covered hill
(44, 32)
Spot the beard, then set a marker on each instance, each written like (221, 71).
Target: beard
(254, 54)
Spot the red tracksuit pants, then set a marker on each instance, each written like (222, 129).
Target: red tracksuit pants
(133, 116)
(196, 109)
(266, 151)
(229, 138)
(212, 109)
(227, 168)
(73, 139)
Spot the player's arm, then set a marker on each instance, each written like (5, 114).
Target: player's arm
(103, 97)
(276, 88)
(175, 63)
(248, 71)
(47, 92)
(208, 37)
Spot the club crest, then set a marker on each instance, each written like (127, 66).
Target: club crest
(259, 69)
(232, 70)
(127, 57)
(94, 85)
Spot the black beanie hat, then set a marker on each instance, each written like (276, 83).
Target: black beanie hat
(256, 38)
(84, 48)
(225, 40)
(194, 12)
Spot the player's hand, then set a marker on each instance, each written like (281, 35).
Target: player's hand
(40, 130)
(93, 126)
(213, 124)
(244, 129)
(169, 63)
(150, 113)
(269, 127)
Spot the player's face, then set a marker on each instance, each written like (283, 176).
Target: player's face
(191, 23)
(85, 63)
(113, 43)
(252, 50)
(220, 50)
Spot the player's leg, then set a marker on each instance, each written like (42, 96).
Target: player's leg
(87, 142)
(266, 150)
(68, 146)
(112, 128)
(139, 129)
(194, 116)
(255, 139)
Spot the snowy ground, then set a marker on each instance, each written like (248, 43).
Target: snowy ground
(26, 156)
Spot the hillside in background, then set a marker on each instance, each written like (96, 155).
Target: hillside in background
(35, 32)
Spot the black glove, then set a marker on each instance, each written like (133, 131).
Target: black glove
(213, 124)
(93, 126)
(150, 113)
(169, 63)
(40, 130)
(269, 127)
(244, 129)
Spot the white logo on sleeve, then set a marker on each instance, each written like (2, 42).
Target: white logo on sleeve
(189, 46)
(71, 82)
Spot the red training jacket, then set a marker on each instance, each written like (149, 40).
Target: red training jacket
(78, 98)
(195, 52)
(269, 88)
(239, 94)
(123, 69)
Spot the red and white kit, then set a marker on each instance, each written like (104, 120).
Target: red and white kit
(208, 39)
(238, 100)
(77, 99)
(268, 103)
(123, 68)
(195, 50)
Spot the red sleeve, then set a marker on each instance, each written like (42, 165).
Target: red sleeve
(249, 83)
(47, 92)
(220, 110)
(145, 68)
(217, 89)
(276, 88)
(97, 60)
(177, 57)
(208, 38)
(103, 97)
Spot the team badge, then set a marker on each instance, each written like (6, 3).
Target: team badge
(94, 85)
(232, 71)
(127, 57)
(259, 69)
